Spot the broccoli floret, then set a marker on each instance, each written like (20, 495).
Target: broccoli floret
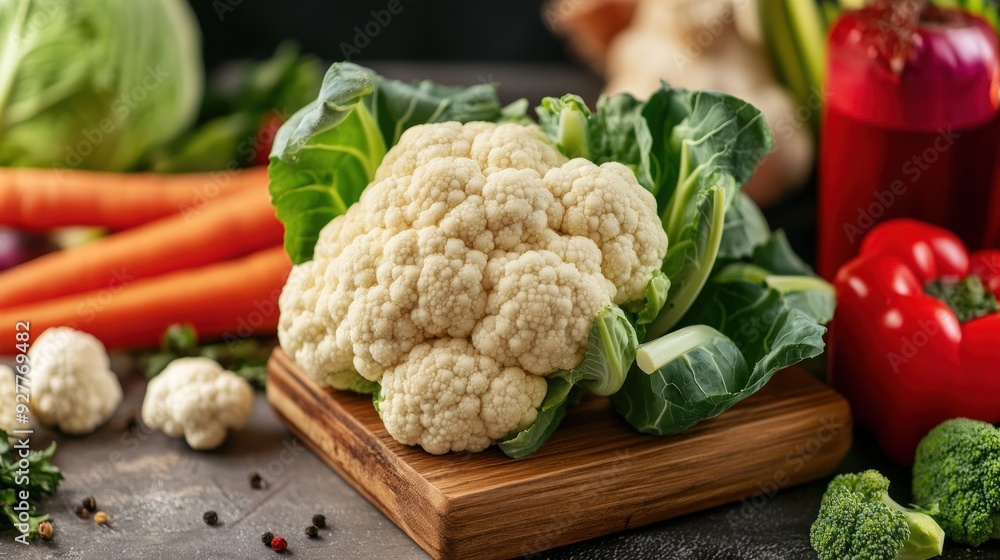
(858, 520)
(958, 469)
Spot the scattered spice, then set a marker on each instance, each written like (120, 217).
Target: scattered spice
(45, 530)
(267, 537)
(210, 517)
(319, 520)
(132, 423)
(101, 518)
(82, 512)
(256, 482)
(312, 531)
(279, 544)
(90, 503)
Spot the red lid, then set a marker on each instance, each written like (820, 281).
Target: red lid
(912, 66)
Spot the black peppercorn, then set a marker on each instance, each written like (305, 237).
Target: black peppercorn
(319, 520)
(210, 517)
(266, 538)
(89, 503)
(131, 424)
(312, 531)
(256, 482)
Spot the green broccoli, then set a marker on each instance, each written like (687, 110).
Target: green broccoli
(858, 520)
(958, 469)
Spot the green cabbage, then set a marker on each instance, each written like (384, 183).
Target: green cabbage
(95, 84)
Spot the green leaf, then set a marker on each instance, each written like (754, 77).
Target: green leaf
(286, 82)
(559, 395)
(698, 140)
(614, 129)
(795, 280)
(566, 120)
(694, 152)
(325, 155)
(815, 299)
(179, 338)
(771, 333)
(516, 112)
(42, 478)
(656, 297)
(398, 106)
(610, 352)
(737, 335)
(256, 376)
(690, 259)
(745, 229)
(323, 158)
(777, 256)
(352, 381)
(699, 372)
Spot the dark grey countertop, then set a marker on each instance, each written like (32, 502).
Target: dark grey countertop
(156, 489)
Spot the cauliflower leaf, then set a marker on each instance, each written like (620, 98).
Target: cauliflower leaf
(326, 154)
(744, 327)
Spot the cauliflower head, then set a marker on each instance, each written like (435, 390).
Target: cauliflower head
(198, 399)
(473, 265)
(72, 385)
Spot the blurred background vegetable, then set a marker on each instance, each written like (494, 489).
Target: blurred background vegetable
(17, 247)
(693, 44)
(95, 84)
(242, 110)
(795, 33)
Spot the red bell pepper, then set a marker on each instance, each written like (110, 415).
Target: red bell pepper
(905, 359)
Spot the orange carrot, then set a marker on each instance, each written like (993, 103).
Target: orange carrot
(41, 199)
(229, 300)
(226, 228)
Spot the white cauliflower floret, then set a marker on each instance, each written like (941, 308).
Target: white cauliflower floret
(447, 396)
(197, 398)
(603, 205)
(8, 402)
(539, 312)
(479, 253)
(72, 385)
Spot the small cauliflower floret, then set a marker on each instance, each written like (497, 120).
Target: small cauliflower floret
(606, 204)
(539, 312)
(448, 397)
(72, 385)
(8, 402)
(482, 235)
(198, 399)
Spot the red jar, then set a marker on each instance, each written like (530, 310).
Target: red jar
(910, 127)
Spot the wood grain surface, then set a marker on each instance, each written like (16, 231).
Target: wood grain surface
(594, 477)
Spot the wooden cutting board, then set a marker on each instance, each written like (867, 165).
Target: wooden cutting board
(595, 476)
